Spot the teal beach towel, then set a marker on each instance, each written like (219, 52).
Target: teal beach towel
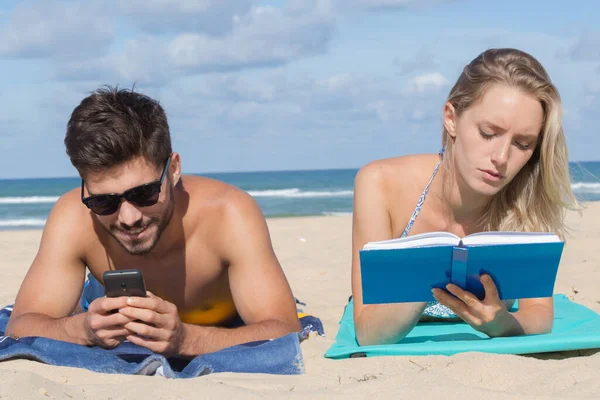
(575, 327)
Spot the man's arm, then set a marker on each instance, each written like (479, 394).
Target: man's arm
(52, 287)
(258, 285)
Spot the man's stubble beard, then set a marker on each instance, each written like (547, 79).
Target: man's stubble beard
(139, 249)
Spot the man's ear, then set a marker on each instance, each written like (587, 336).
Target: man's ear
(175, 168)
(450, 119)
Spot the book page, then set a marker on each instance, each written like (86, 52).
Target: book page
(421, 240)
(487, 238)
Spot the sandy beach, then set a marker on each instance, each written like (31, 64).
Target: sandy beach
(315, 253)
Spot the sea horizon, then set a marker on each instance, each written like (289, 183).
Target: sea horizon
(247, 171)
(26, 202)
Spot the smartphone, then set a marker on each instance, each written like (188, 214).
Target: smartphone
(124, 282)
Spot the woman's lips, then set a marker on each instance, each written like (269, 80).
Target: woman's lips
(491, 175)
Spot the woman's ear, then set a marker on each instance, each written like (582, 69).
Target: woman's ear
(450, 119)
(175, 168)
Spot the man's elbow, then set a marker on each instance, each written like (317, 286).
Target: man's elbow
(291, 325)
(14, 329)
(277, 327)
(296, 325)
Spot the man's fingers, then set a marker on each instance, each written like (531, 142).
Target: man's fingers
(97, 322)
(112, 333)
(151, 302)
(116, 319)
(153, 345)
(149, 317)
(105, 305)
(146, 330)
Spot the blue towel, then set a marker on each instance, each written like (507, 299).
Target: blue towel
(575, 327)
(278, 356)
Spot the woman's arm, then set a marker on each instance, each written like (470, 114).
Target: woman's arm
(375, 323)
(534, 316)
(491, 316)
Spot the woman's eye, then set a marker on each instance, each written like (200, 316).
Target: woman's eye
(485, 135)
(523, 146)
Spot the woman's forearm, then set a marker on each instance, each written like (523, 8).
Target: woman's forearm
(386, 323)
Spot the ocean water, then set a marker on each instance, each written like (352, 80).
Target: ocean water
(25, 203)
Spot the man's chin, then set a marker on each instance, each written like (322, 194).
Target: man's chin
(137, 244)
(138, 248)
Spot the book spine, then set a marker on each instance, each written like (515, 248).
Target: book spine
(458, 275)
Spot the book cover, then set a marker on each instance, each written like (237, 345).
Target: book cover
(522, 265)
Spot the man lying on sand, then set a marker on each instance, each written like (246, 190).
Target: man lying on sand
(203, 246)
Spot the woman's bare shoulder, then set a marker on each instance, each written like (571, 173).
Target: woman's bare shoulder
(395, 185)
(400, 171)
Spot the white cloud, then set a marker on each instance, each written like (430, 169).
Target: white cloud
(429, 82)
(205, 16)
(56, 29)
(264, 37)
(383, 3)
(235, 80)
(221, 117)
(373, 5)
(337, 82)
(585, 48)
(423, 59)
(338, 104)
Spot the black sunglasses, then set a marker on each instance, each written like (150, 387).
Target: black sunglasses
(142, 196)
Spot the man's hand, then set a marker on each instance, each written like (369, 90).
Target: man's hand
(103, 328)
(488, 316)
(155, 324)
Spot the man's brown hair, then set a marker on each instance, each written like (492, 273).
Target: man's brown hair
(113, 126)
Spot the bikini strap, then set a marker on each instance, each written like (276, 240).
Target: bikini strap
(423, 196)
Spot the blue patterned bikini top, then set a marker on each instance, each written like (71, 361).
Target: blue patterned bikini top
(433, 309)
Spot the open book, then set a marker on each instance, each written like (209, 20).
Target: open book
(522, 265)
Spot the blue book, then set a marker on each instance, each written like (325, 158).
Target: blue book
(522, 265)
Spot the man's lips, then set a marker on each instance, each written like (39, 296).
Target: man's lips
(133, 233)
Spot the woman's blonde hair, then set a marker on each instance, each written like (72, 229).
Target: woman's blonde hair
(538, 196)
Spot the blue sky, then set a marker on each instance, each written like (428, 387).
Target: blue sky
(272, 85)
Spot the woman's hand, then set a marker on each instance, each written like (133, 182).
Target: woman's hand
(488, 316)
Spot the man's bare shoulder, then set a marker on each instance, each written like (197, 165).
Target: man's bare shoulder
(211, 193)
(69, 227)
(226, 217)
(71, 213)
(219, 202)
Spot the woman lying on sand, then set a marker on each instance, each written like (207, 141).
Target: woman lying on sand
(503, 147)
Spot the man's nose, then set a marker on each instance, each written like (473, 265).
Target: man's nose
(129, 215)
